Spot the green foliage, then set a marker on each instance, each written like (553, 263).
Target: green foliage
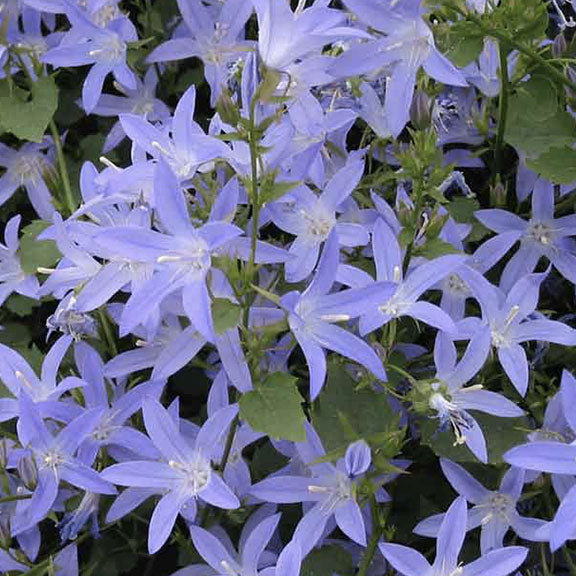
(36, 253)
(327, 561)
(24, 114)
(523, 20)
(344, 414)
(463, 42)
(275, 408)
(539, 127)
(557, 164)
(225, 314)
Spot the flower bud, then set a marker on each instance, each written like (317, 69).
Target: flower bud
(227, 109)
(559, 46)
(5, 531)
(28, 472)
(3, 454)
(498, 194)
(421, 110)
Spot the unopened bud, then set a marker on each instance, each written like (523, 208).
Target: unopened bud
(3, 454)
(498, 194)
(28, 472)
(421, 110)
(227, 109)
(559, 46)
(5, 532)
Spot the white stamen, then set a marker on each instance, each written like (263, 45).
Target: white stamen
(335, 317)
(109, 164)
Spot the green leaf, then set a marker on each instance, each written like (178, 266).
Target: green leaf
(27, 115)
(463, 43)
(327, 561)
(21, 305)
(275, 408)
(501, 434)
(556, 164)
(225, 314)
(533, 137)
(462, 209)
(435, 247)
(343, 414)
(537, 98)
(36, 253)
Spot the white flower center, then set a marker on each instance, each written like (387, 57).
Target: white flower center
(457, 286)
(539, 233)
(110, 50)
(29, 168)
(196, 474)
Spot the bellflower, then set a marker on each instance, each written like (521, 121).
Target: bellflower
(140, 101)
(313, 313)
(331, 488)
(54, 455)
(541, 236)
(26, 168)
(183, 257)
(103, 48)
(286, 37)
(312, 218)
(508, 318)
(451, 533)
(213, 34)
(252, 558)
(112, 430)
(493, 510)
(18, 376)
(451, 399)
(182, 476)
(171, 348)
(185, 148)
(12, 277)
(404, 301)
(407, 46)
(546, 455)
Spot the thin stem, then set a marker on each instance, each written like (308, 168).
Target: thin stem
(107, 328)
(15, 497)
(418, 205)
(569, 561)
(502, 110)
(228, 445)
(255, 202)
(377, 529)
(68, 196)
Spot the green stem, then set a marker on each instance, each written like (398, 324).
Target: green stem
(255, 202)
(68, 196)
(502, 110)
(15, 498)
(418, 205)
(107, 328)
(569, 561)
(377, 530)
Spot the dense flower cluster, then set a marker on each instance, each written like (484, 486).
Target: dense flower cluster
(323, 265)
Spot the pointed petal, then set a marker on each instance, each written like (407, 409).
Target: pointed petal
(407, 561)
